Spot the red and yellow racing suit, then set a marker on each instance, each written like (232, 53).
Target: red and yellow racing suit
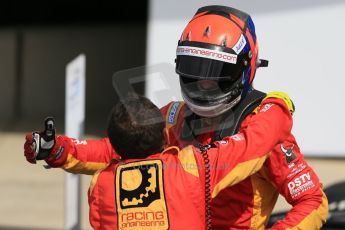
(249, 204)
(246, 205)
(167, 190)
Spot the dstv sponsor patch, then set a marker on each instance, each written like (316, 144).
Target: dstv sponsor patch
(300, 184)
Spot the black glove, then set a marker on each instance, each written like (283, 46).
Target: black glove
(43, 142)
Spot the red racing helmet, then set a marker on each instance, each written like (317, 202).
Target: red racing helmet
(217, 57)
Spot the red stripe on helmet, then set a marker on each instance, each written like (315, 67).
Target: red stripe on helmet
(237, 20)
(199, 14)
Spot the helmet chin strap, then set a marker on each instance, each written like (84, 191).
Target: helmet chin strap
(210, 111)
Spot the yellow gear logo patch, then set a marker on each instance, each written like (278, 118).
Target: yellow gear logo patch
(140, 196)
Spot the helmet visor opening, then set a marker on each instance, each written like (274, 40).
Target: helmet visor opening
(204, 68)
(208, 92)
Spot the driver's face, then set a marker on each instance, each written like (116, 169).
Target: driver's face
(207, 85)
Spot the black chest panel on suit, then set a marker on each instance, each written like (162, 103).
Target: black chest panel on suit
(231, 120)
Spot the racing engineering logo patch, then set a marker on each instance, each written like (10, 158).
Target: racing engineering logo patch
(139, 186)
(140, 199)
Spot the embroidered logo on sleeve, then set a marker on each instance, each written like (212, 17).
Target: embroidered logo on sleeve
(222, 142)
(295, 169)
(79, 142)
(172, 112)
(289, 154)
(266, 107)
(237, 137)
(300, 184)
(140, 199)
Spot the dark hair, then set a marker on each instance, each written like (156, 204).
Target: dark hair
(135, 127)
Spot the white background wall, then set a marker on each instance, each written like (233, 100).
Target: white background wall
(304, 42)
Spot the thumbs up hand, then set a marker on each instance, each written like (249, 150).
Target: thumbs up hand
(38, 145)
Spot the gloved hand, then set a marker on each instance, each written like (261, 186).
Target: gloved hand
(38, 145)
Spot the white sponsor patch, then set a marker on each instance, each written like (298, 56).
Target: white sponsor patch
(300, 184)
(237, 137)
(291, 165)
(266, 107)
(241, 43)
(299, 168)
(79, 142)
(206, 53)
(222, 142)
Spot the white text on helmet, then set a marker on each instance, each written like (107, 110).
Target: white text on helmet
(206, 53)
